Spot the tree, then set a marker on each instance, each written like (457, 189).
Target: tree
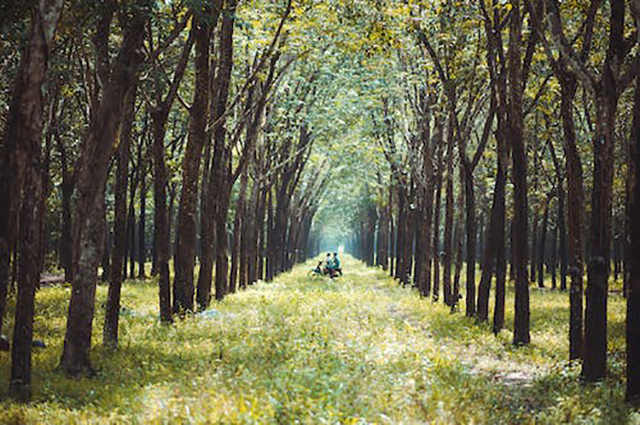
(184, 290)
(97, 151)
(22, 154)
(633, 287)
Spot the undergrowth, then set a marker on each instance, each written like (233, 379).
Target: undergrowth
(361, 349)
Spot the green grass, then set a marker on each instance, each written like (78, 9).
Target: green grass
(358, 350)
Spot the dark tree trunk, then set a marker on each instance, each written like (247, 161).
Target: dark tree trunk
(553, 261)
(400, 232)
(494, 255)
(106, 252)
(261, 217)
(633, 264)
(382, 247)
(251, 232)
(222, 242)
(435, 246)
(533, 264)
(607, 91)
(470, 199)
(392, 232)
(543, 242)
(424, 234)
(29, 264)
(561, 233)
(216, 191)
(199, 113)
(66, 238)
(160, 222)
(595, 331)
(22, 153)
(521, 314)
(112, 310)
(142, 248)
(235, 276)
(457, 244)
(131, 225)
(448, 220)
(267, 240)
(568, 87)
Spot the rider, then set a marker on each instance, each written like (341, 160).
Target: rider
(336, 264)
(328, 262)
(319, 267)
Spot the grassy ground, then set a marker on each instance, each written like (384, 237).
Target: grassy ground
(357, 350)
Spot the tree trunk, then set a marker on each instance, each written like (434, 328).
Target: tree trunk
(216, 190)
(96, 154)
(22, 152)
(199, 113)
(553, 262)
(448, 220)
(392, 232)
(595, 332)
(435, 246)
(382, 247)
(562, 235)
(542, 242)
(66, 238)
(568, 87)
(470, 199)
(533, 264)
(142, 248)
(400, 231)
(250, 235)
(222, 242)
(457, 246)
(494, 255)
(112, 310)
(633, 252)
(521, 315)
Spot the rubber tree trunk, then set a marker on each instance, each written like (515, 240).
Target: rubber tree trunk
(521, 333)
(568, 86)
(495, 244)
(112, 310)
(470, 201)
(448, 220)
(184, 289)
(607, 93)
(96, 154)
(382, 247)
(435, 246)
(216, 190)
(543, 242)
(142, 248)
(162, 217)
(595, 332)
(235, 278)
(633, 248)
(22, 145)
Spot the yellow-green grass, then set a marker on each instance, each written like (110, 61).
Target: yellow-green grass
(361, 349)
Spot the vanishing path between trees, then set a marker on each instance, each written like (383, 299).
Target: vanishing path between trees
(358, 349)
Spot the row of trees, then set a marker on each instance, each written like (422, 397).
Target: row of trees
(502, 116)
(204, 103)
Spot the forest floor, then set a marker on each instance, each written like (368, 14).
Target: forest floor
(360, 349)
